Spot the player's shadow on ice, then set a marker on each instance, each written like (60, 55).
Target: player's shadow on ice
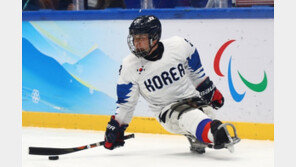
(219, 156)
(222, 155)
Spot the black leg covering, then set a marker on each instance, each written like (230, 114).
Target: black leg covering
(220, 136)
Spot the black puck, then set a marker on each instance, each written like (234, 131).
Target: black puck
(53, 157)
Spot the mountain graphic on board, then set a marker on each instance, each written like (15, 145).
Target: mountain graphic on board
(48, 87)
(98, 70)
(45, 45)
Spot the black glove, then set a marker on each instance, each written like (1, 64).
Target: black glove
(210, 93)
(114, 134)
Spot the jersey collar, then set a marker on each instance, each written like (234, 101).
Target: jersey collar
(157, 54)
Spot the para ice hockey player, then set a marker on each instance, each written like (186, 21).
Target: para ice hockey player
(170, 76)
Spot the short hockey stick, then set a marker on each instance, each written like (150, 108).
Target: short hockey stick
(59, 151)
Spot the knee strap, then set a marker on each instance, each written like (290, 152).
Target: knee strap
(182, 109)
(183, 106)
(162, 117)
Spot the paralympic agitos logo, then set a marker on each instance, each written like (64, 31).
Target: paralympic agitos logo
(257, 87)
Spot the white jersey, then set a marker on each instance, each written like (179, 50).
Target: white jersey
(173, 77)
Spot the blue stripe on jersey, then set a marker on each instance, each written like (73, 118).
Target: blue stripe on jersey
(200, 128)
(122, 91)
(200, 71)
(202, 76)
(194, 63)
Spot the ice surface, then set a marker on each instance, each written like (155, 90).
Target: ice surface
(145, 150)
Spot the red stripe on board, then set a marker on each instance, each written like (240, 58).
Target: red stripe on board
(218, 57)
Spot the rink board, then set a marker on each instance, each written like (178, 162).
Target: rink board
(71, 66)
(258, 131)
(70, 63)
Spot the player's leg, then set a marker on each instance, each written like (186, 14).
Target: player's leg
(204, 129)
(171, 122)
(197, 126)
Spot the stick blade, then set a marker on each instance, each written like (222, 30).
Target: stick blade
(49, 151)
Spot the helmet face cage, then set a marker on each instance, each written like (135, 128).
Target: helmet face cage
(144, 25)
(135, 51)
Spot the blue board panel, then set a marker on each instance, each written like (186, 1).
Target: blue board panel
(128, 14)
